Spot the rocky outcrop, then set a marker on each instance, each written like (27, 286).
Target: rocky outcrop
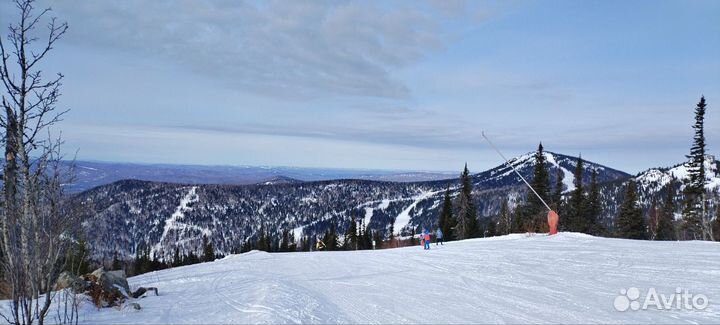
(105, 288)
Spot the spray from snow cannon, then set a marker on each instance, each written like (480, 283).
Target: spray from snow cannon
(552, 217)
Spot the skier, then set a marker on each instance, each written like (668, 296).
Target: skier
(439, 237)
(426, 239)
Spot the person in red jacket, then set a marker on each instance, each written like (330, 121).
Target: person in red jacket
(426, 239)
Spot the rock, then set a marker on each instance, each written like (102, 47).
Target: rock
(141, 291)
(112, 280)
(68, 280)
(135, 306)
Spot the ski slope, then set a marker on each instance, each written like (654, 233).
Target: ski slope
(568, 278)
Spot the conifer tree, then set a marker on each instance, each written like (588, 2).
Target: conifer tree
(504, 222)
(666, 216)
(192, 258)
(653, 218)
(367, 237)
(177, 260)
(292, 243)
(575, 219)
(541, 183)
(593, 225)
(331, 238)
(351, 236)
(491, 229)
(285, 245)
(466, 222)
(208, 250)
(694, 222)
(446, 221)
(262, 240)
(391, 238)
(558, 189)
(630, 221)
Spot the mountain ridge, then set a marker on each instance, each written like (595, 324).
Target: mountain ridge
(127, 214)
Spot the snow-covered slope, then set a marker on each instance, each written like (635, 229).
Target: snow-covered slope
(652, 185)
(503, 175)
(656, 178)
(568, 278)
(130, 214)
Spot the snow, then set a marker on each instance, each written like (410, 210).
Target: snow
(384, 204)
(519, 279)
(175, 220)
(368, 215)
(404, 217)
(658, 178)
(298, 232)
(568, 177)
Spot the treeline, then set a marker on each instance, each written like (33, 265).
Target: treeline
(79, 262)
(580, 209)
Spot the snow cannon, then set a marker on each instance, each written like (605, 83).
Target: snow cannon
(552, 220)
(552, 215)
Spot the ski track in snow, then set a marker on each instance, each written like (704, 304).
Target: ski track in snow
(568, 278)
(173, 222)
(568, 177)
(403, 218)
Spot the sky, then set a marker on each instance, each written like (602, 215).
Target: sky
(400, 85)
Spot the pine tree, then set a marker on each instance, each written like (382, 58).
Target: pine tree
(208, 250)
(367, 237)
(653, 218)
(541, 183)
(467, 224)
(192, 258)
(331, 239)
(630, 221)
(575, 220)
(362, 236)
(593, 225)
(504, 222)
(556, 197)
(262, 241)
(531, 215)
(695, 187)
(491, 230)
(446, 221)
(665, 229)
(176, 258)
(285, 244)
(351, 236)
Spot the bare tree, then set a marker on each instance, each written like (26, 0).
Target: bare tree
(35, 216)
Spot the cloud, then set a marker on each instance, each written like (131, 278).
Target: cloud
(286, 49)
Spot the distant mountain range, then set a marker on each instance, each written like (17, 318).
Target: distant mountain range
(163, 215)
(91, 174)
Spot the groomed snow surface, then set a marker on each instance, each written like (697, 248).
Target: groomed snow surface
(567, 278)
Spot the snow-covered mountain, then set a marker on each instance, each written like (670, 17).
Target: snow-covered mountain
(556, 163)
(652, 184)
(656, 178)
(161, 216)
(516, 279)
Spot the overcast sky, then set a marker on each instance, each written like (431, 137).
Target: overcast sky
(385, 85)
